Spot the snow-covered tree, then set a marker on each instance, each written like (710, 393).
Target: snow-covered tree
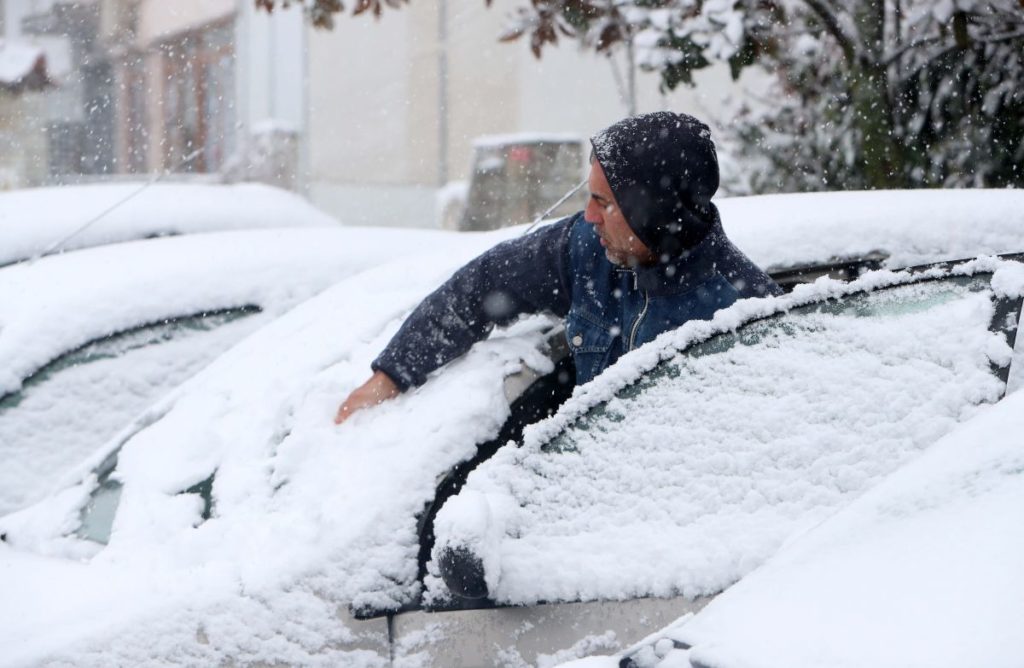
(865, 93)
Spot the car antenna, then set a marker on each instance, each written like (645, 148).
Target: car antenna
(56, 245)
(536, 221)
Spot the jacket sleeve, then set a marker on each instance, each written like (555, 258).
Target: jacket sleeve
(529, 274)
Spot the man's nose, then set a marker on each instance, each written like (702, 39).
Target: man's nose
(589, 213)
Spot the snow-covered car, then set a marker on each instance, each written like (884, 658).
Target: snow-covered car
(36, 221)
(685, 467)
(234, 523)
(89, 339)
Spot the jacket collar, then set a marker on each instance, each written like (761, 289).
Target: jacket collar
(687, 271)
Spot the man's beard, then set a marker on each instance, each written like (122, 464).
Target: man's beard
(622, 260)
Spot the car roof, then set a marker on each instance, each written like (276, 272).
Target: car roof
(907, 227)
(33, 219)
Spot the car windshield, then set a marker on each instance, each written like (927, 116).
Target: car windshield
(683, 482)
(75, 403)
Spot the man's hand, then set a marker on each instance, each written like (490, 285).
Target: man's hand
(378, 389)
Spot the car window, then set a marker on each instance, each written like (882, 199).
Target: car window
(686, 480)
(803, 323)
(74, 404)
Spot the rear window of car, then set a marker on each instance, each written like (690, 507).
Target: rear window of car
(74, 404)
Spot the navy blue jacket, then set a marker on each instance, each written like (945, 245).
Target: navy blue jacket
(562, 269)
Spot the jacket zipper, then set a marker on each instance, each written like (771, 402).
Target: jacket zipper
(639, 319)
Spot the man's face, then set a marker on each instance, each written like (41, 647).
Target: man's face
(621, 246)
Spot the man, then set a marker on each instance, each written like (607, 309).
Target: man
(646, 255)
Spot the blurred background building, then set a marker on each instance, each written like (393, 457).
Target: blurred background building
(371, 120)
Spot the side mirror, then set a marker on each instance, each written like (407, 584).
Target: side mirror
(463, 572)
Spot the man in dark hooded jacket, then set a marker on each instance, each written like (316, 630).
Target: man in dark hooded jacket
(647, 255)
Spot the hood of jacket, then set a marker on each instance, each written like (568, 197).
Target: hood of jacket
(663, 170)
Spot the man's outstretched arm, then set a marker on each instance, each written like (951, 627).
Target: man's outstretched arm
(524, 275)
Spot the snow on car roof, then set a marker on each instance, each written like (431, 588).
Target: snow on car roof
(924, 569)
(32, 219)
(62, 302)
(912, 226)
(909, 227)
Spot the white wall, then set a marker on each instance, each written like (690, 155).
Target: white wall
(271, 73)
(373, 117)
(160, 19)
(375, 88)
(15, 11)
(272, 66)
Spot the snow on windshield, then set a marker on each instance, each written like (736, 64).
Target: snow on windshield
(687, 481)
(33, 219)
(301, 506)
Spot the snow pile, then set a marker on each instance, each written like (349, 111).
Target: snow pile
(913, 226)
(685, 482)
(63, 302)
(307, 518)
(33, 219)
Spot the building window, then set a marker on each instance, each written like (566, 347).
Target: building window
(66, 147)
(199, 99)
(135, 134)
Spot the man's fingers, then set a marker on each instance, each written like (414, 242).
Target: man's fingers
(357, 401)
(342, 414)
(377, 389)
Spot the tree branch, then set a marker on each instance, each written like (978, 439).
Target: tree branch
(992, 39)
(910, 46)
(1005, 37)
(831, 23)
